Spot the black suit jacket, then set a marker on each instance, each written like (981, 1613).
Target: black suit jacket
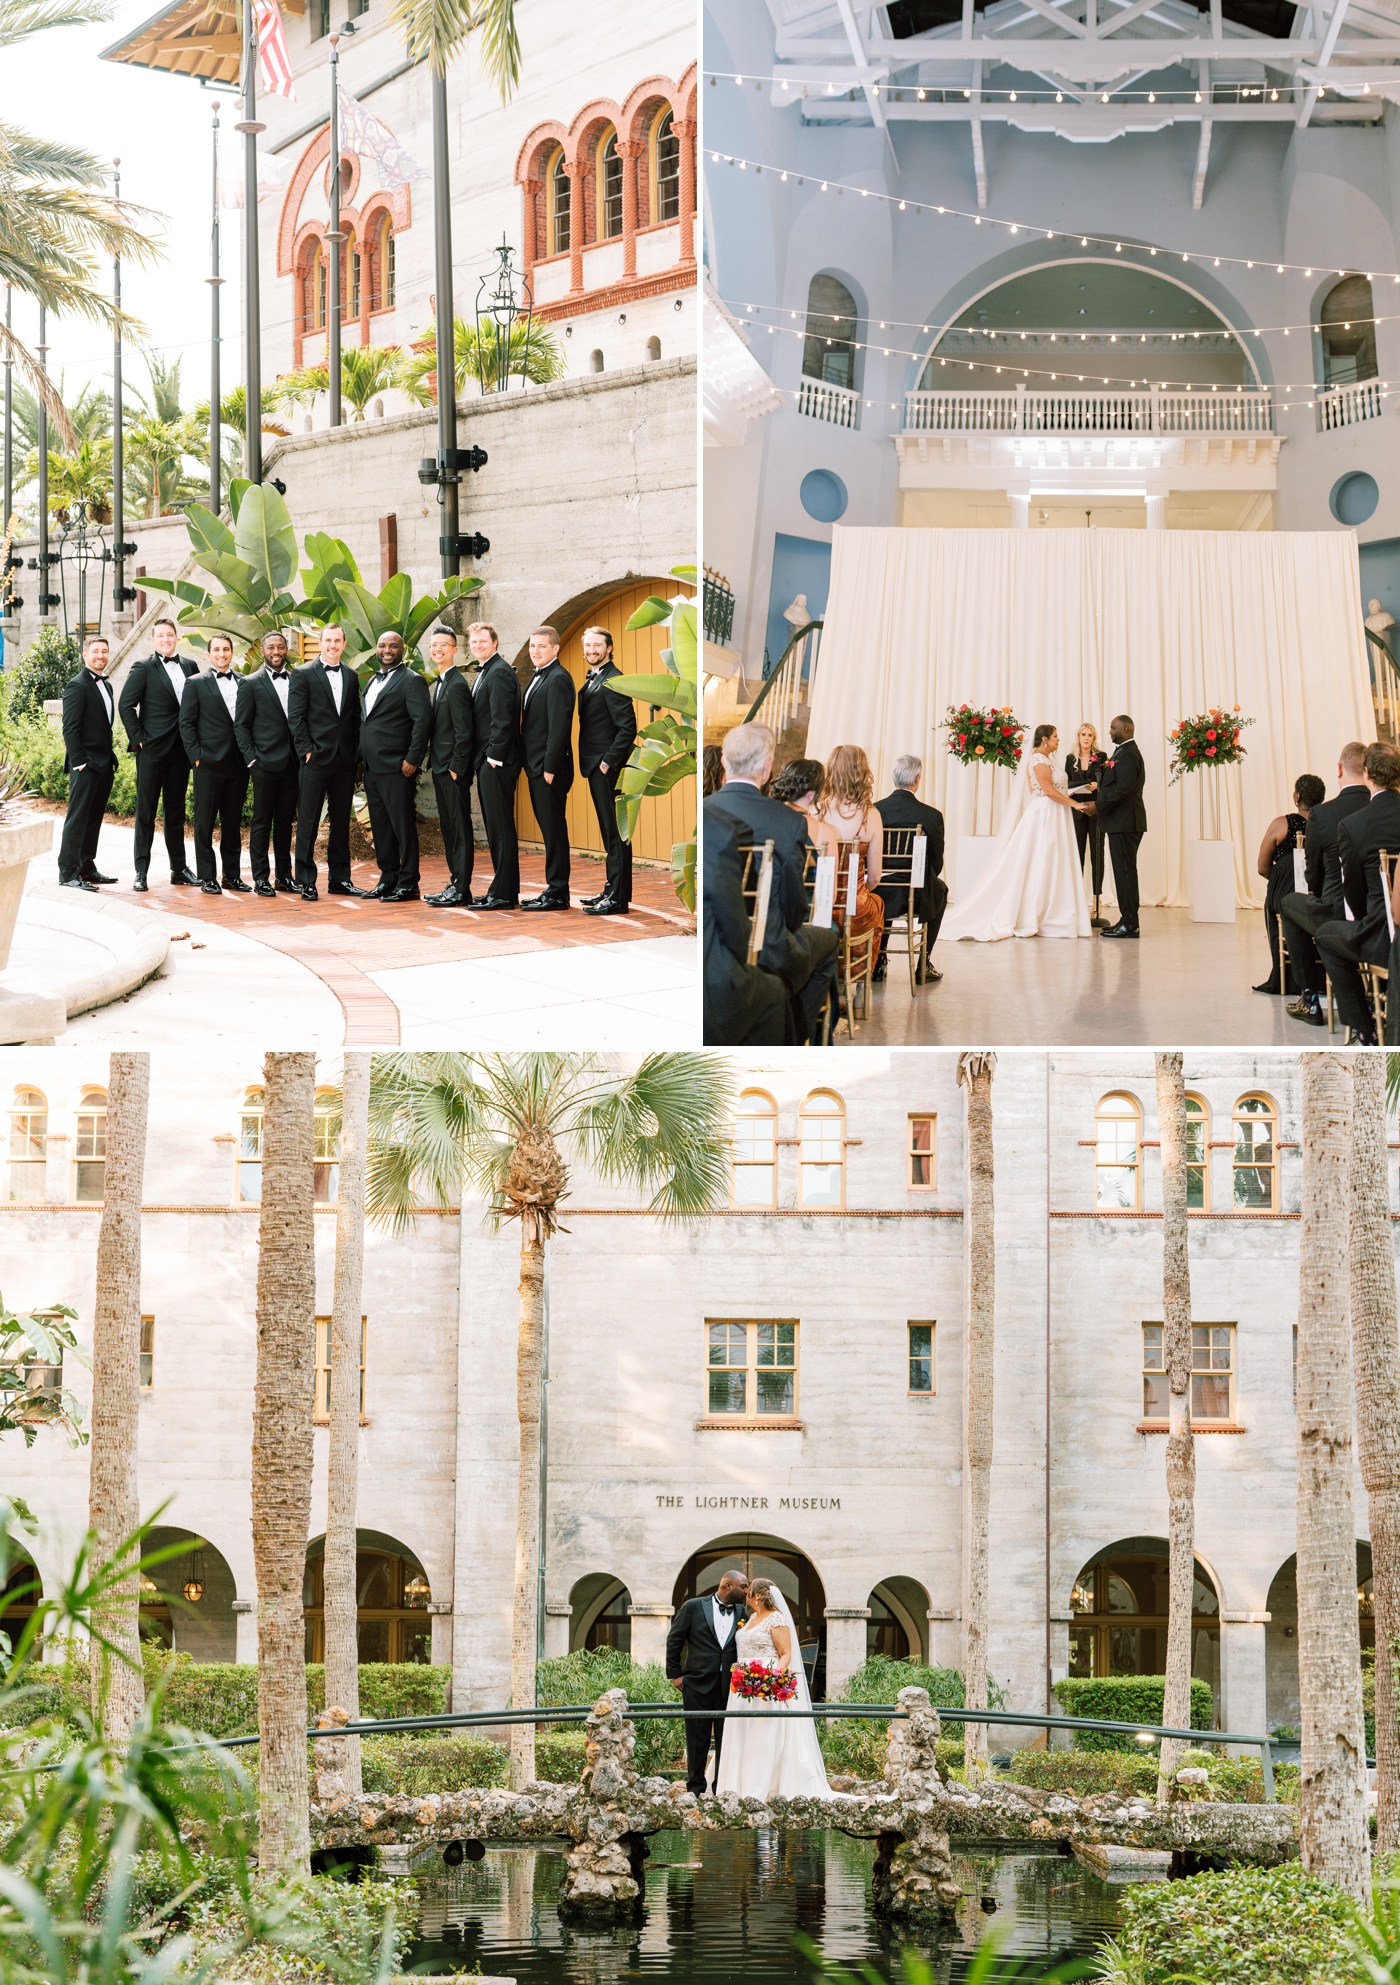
(1321, 862)
(1359, 839)
(744, 1005)
(547, 725)
(148, 706)
(1077, 776)
(607, 724)
(263, 731)
(452, 738)
(206, 728)
(902, 809)
(395, 731)
(787, 949)
(318, 729)
(1119, 797)
(693, 1632)
(496, 694)
(87, 729)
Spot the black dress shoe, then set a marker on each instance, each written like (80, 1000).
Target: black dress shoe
(211, 889)
(1309, 1010)
(180, 875)
(140, 883)
(589, 901)
(347, 889)
(95, 877)
(544, 902)
(263, 889)
(1119, 930)
(495, 903)
(604, 907)
(238, 885)
(288, 882)
(1268, 986)
(410, 893)
(308, 894)
(76, 882)
(446, 899)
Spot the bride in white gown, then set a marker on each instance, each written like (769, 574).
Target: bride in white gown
(1034, 884)
(773, 1755)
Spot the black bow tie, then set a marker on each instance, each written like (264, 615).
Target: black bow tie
(723, 1608)
(278, 675)
(331, 668)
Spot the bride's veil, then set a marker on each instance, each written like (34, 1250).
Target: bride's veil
(804, 1694)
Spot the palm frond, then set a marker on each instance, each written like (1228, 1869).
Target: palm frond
(21, 18)
(33, 371)
(666, 1129)
(436, 29)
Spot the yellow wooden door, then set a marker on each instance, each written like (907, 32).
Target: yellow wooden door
(662, 821)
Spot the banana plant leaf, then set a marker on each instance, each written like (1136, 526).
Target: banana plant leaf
(208, 532)
(238, 488)
(668, 692)
(331, 559)
(368, 615)
(651, 612)
(246, 585)
(683, 572)
(265, 536)
(684, 645)
(683, 871)
(180, 589)
(663, 754)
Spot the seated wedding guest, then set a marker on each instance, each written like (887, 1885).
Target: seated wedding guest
(1276, 852)
(745, 1007)
(849, 805)
(1082, 769)
(802, 954)
(1343, 946)
(1303, 914)
(904, 808)
(712, 770)
(799, 785)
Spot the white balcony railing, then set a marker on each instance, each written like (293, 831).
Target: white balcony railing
(823, 401)
(1111, 410)
(1344, 406)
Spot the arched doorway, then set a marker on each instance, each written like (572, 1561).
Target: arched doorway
(898, 1623)
(759, 1556)
(392, 1597)
(664, 821)
(187, 1599)
(1118, 1614)
(19, 1596)
(1281, 1704)
(600, 1615)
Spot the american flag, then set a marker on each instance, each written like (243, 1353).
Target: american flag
(274, 66)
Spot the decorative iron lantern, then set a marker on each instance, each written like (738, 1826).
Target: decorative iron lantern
(504, 325)
(194, 1584)
(83, 555)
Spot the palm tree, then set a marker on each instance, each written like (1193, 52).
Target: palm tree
(1181, 1444)
(1376, 1350)
(118, 1691)
(975, 1072)
(233, 412)
(343, 1464)
(436, 29)
(364, 371)
(494, 1124)
(1333, 1818)
(476, 357)
(88, 419)
(84, 477)
(157, 480)
(283, 1402)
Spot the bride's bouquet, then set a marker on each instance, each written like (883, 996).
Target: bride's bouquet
(984, 737)
(759, 1684)
(1211, 739)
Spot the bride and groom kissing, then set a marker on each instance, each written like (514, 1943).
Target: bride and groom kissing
(1034, 884)
(744, 1621)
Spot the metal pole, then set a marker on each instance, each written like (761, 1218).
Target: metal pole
(544, 1470)
(9, 465)
(43, 350)
(216, 283)
(118, 469)
(446, 334)
(252, 307)
(334, 237)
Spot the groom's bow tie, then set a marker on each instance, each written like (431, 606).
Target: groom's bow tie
(728, 1611)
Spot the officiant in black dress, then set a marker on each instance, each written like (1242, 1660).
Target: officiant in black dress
(700, 1652)
(1082, 767)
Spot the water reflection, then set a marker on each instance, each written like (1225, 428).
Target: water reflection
(718, 1905)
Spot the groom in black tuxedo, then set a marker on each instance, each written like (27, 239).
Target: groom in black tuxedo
(703, 1630)
(1118, 803)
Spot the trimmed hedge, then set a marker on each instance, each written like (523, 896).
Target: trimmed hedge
(859, 1748)
(571, 1680)
(1233, 1781)
(1125, 1699)
(1245, 1926)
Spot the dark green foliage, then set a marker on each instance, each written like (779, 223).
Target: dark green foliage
(858, 1748)
(580, 1678)
(49, 662)
(1246, 1926)
(1233, 1781)
(1126, 1699)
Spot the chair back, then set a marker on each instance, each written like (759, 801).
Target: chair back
(850, 856)
(756, 884)
(904, 850)
(1388, 863)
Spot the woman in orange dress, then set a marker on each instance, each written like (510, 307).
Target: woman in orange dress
(848, 805)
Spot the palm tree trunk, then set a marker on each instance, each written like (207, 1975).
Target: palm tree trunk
(282, 1456)
(1181, 1445)
(525, 1625)
(1376, 1349)
(338, 1760)
(975, 1074)
(118, 1689)
(1333, 1821)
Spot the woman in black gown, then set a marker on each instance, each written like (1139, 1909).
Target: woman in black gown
(1082, 769)
(1276, 852)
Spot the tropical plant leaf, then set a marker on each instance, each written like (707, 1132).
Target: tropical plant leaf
(684, 641)
(683, 572)
(370, 617)
(656, 750)
(238, 488)
(208, 532)
(668, 692)
(396, 596)
(197, 596)
(650, 612)
(683, 871)
(265, 535)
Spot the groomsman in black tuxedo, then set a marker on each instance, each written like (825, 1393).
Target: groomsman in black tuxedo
(323, 709)
(1343, 946)
(149, 707)
(702, 1631)
(547, 750)
(452, 749)
(607, 730)
(264, 733)
(1118, 803)
(220, 775)
(90, 763)
(393, 737)
(1324, 900)
(496, 695)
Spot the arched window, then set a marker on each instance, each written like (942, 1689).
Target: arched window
(755, 1165)
(250, 1124)
(1197, 1154)
(1256, 1159)
(823, 1159)
(829, 350)
(327, 1130)
(596, 361)
(559, 190)
(1118, 1615)
(665, 169)
(1348, 333)
(90, 1148)
(653, 348)
(612, 1627)
(380, 250)
(1117, 1122)
(314, 289)
(29, 1130)
(609, 188)
(353, 251)
(392, 1595)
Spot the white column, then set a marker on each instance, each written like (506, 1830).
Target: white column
(944, 1637)
(556, 1629)
(245, 1628)
(488, 1467)
(1156, 513)
(441, 1610)
(1242, 1674)
(651, 1622)
(1020, 511)
(845, 1644)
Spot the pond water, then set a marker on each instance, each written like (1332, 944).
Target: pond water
(723, 1905)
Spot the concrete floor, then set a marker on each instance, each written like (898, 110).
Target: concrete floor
(1181, 985)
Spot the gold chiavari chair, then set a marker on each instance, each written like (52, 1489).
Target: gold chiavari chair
(1376, 978)
(857, 954)
(897, 870)
(756, 885)
(809, 890)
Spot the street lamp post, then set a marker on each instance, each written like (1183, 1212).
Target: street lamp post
(448, 473)
(334, 237)
(252, 304)
(42, 563)
(216, 283)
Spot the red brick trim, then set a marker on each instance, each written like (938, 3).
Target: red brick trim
(680, 275)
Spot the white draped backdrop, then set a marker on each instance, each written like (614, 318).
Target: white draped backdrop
(1067, 626)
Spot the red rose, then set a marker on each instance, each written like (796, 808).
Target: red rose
(1192, 752)
(1210, 734)
(1005, 732)
(1211, 752)
(962, 706)
(963, 738)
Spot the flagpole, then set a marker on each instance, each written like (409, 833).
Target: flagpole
(43, 559)
(448, 477)
(334, 237)
(252, 305)
(216, 283)
(119, 592)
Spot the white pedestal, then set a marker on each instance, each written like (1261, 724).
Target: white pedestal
(974, 854)
(1210, 874)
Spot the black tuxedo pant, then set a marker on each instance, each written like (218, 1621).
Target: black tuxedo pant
(496, 786)
(1303, 917)
(393, 821)
(331, 787)
(1088, 833)
(454, 805)
(220, 788)
(701, 1730)
(602, 790)
(929, 909)
(274, 810)
(549, 801)
(162, 780)
(88, 788)
(1342, 954)
(1123, 852)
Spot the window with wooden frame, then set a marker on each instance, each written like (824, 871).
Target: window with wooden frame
(90, 1149)
(923, 1152)
(665, 148)
(356, 274)
(1256, 1155)
(559, 205)
(148, 1353)
(751, 1370)
(250, 1123)
(1117, 1171)
(321, 1409)
(392, 1596)
(1212, 1375)
(754, 1170)
(1197, 1154)
(29, 1139)
(326, 1175)
(921, 1370)
(609, 187)
(822, 1166)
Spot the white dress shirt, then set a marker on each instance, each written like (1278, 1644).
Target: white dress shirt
(372, 693)
(228, 687)
(281, 683)
(106, 690)
(530, 685)
(176, 676)
(725, 1624)
(337, 683)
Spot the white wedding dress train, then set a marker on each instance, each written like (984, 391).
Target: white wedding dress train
(772, 1756)
(1034, 884)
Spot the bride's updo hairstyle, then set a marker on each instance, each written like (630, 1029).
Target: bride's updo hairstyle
(850, 784)
(1043, 734)
(761, 1588)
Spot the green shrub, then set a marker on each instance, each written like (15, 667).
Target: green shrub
(1247, 1926)
(48, 664)
(1233, 1781)
(1125, 1699)
(560, 1756)
(437, 1762)
(570, 1680)
(858, 1748)
(221, 1697)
